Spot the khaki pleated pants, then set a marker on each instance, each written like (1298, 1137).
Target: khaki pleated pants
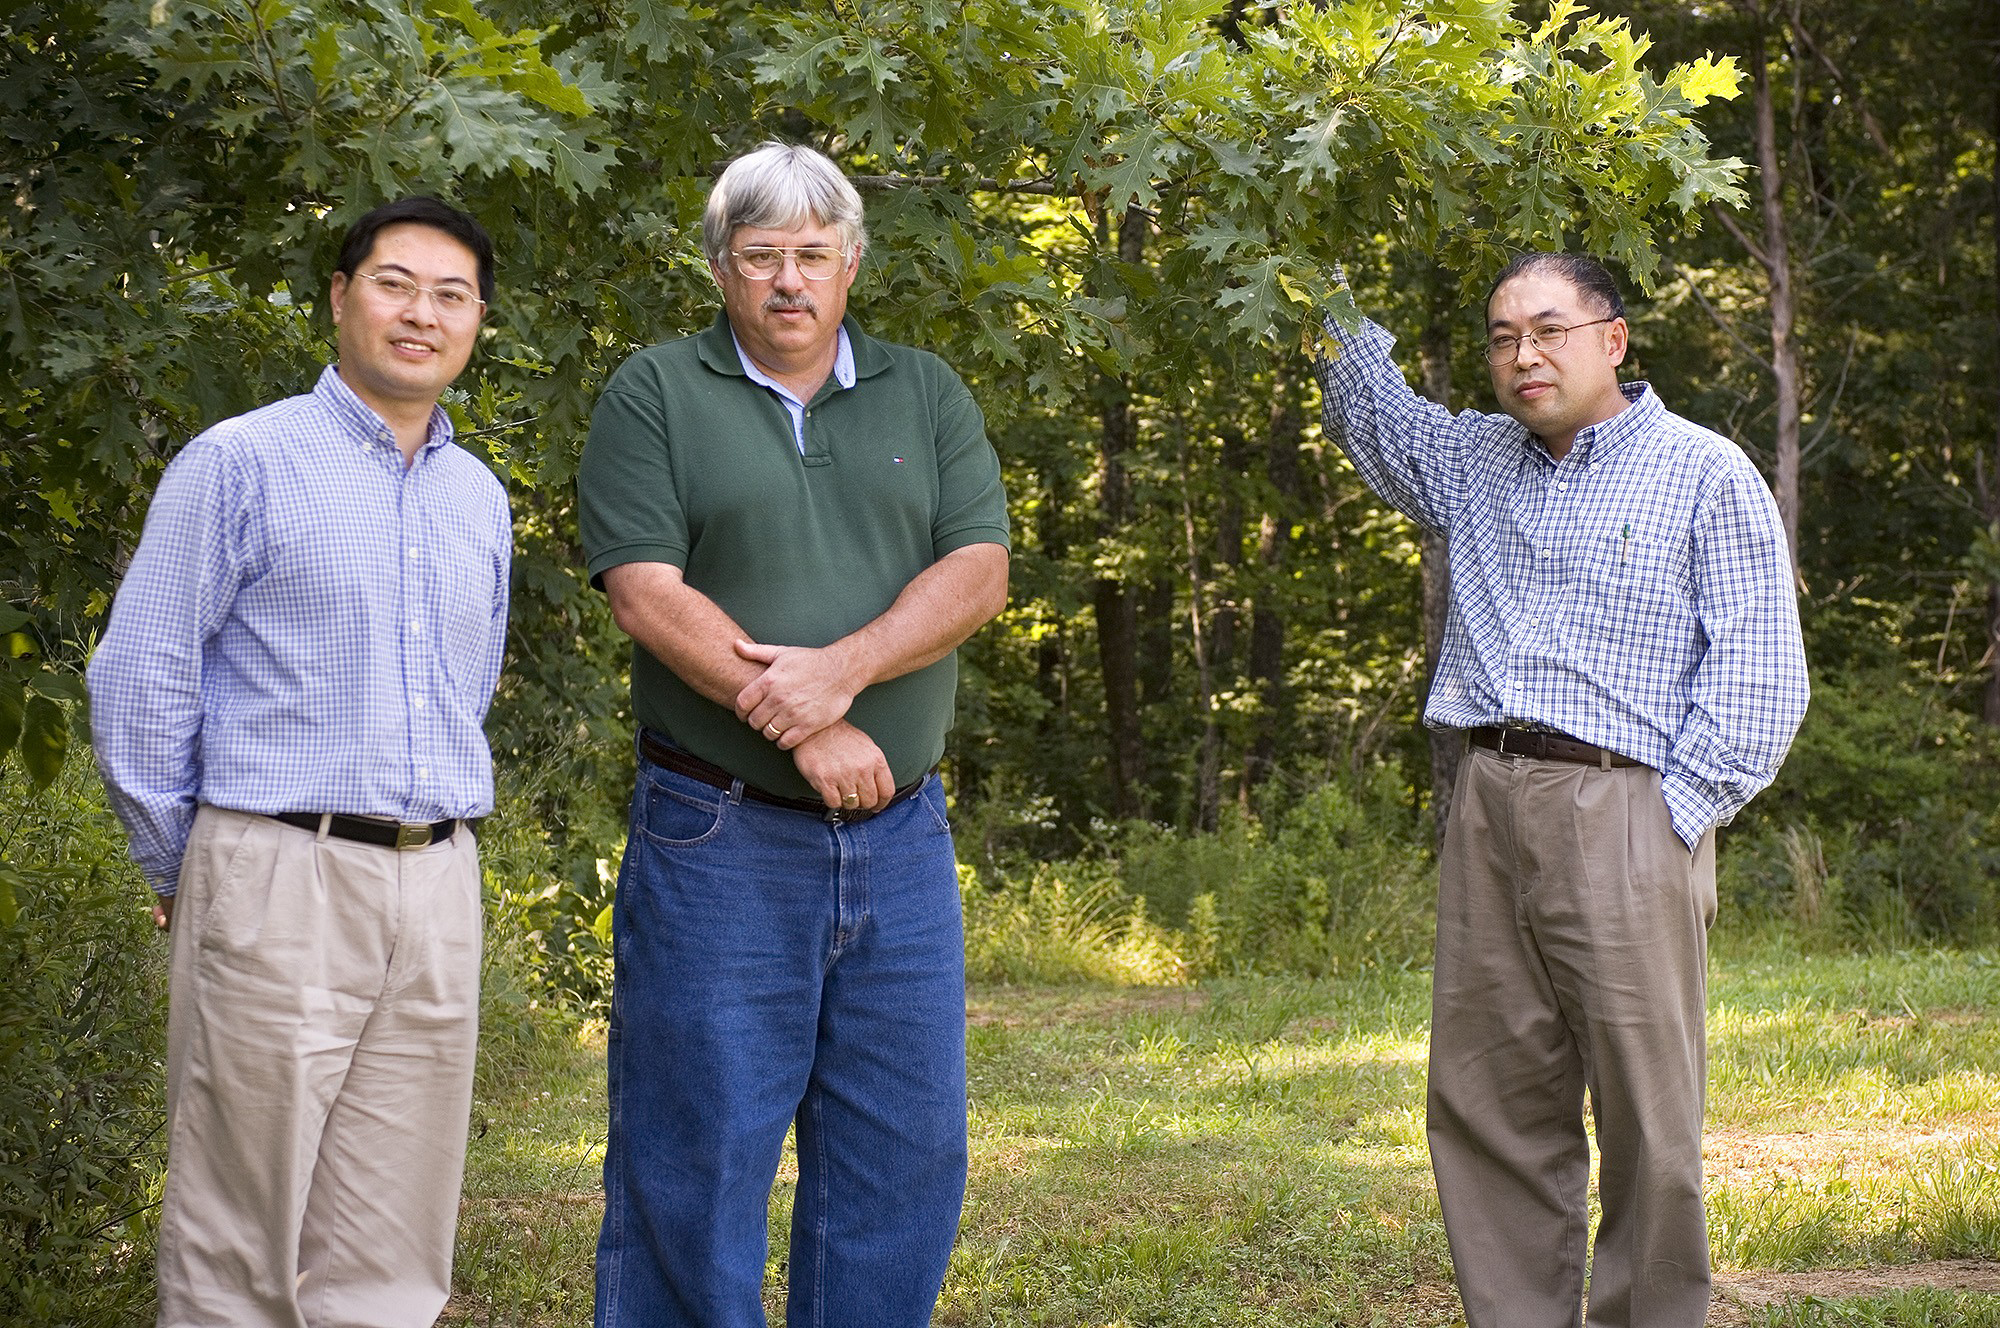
(323, 1014)
(1572, 956)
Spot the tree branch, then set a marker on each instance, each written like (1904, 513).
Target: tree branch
(988, 185)
(1853, 94)
(1715, 314)
(1750, 246)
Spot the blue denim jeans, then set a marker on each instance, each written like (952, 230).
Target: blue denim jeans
(774, 969)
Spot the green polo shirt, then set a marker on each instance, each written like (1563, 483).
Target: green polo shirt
(691, 463)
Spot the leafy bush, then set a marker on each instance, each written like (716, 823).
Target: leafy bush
(549, 854)
(82, 1043)
(1884, 825)
(1066, 922)
(1344, 879)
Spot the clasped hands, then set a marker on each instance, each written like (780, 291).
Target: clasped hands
(800, 703)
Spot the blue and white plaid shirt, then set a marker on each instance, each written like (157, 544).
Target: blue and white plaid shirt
(1637, 594)
(306, 626)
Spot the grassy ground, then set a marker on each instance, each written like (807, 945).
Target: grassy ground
(1251, 1152)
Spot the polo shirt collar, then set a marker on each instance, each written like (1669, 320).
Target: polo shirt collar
(363, 425)
(715, 346)
(843, 363)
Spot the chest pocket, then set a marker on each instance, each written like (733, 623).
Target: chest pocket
(1636, 595)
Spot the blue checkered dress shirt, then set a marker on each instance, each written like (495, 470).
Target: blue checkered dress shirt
(1636, 594)
(305, 626)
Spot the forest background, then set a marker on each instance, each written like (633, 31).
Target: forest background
(1190, 746)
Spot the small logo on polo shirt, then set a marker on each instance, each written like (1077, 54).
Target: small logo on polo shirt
(897, 460)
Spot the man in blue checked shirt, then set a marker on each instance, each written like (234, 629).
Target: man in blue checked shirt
(1623, 647)
(286, 707)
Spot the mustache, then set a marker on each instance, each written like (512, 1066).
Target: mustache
(775, 302)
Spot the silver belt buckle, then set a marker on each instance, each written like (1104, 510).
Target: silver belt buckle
(412, 835)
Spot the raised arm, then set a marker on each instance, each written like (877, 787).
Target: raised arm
(1411, 451)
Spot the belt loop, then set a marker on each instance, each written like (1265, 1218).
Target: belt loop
(325, 824)
(1603, 758)
(736, 791)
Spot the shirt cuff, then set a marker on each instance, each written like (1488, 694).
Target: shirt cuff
(1692, 812)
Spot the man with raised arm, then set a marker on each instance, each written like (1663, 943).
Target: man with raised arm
(1623, 649)
(286, 707)
(797, 524)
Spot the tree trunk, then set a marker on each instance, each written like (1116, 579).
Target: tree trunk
(1447, 745)
(1156, 642)
(1208, 759)
(1117, 616)
(1990, 499)
(1774, 256)
(1267, 622)
(1219, 658)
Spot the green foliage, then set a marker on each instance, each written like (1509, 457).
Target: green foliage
(1884, 825)
(1342, 880)
(178, 175)
(549, 854)
(82, 1033)
(35, 702)
(1066, 922)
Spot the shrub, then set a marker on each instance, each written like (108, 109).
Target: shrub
(82, 1042)
(1344, 879)
(1062, 923)
(1884, 825)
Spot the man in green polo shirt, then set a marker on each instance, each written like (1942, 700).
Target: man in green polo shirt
(797, 525)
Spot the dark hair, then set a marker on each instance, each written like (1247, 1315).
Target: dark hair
(1589, 276)
(418, 210)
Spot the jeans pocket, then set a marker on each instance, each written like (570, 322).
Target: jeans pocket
(933, 798)
(675, 818)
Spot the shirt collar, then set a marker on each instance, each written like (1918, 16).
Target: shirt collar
(843, 364)
(363, 424)
(1594, 442)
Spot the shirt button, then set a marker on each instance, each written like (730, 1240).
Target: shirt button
(423, 772)
(414, 551)
(1547, 553)
(416, 624)
(417, 701)
(1562, 484)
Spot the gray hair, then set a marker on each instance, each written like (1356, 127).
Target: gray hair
(780, 186)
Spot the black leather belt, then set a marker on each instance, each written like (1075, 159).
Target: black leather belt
(401, 835)
(662, 753)
(1547, 746)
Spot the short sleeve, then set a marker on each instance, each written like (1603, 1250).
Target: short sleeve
(628, 508)
(972, 505)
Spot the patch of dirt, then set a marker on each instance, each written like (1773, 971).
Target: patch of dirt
(1748, 1160)
(1736, 1294)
